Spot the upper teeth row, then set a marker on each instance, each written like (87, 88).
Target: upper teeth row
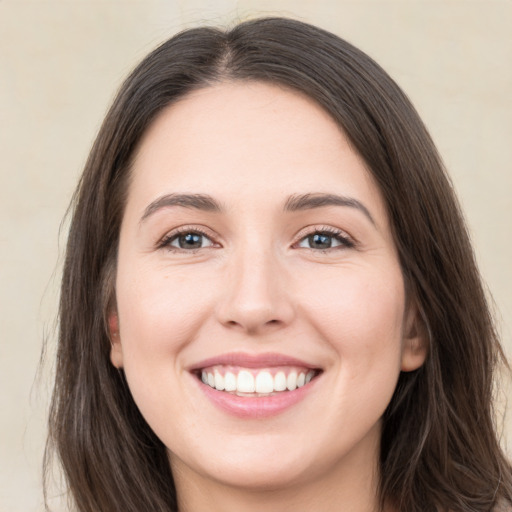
(245, 382)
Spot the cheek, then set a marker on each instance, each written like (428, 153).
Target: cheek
(159, 312)
(360, 314)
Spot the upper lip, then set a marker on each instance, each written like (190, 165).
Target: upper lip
(265, 360)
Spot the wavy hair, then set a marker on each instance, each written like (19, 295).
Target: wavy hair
(439, 449)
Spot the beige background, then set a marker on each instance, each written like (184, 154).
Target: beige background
(60, 64)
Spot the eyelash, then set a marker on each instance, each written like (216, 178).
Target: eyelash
(345, 241)
(165, 242)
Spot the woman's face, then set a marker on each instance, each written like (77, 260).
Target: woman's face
(256, 254)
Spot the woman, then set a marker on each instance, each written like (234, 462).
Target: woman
(269, 298)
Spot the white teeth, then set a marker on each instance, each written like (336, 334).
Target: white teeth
(219, 381)
(280, 381)
(291, 381)
(261, 382)
(230, 381)
(245, 382)
(264, 383)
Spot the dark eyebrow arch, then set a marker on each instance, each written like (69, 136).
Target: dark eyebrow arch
(198, 201)
(318, 200)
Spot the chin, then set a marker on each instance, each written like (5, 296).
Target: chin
(265, 464)
(272, 475)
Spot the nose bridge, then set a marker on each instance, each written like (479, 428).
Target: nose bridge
(256, 296)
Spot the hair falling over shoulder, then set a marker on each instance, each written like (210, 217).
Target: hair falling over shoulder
(440, 450)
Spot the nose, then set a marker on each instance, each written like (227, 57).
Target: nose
(256, 298)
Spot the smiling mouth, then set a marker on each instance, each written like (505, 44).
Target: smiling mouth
(252, 382)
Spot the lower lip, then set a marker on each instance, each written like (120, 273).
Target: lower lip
(256, 407)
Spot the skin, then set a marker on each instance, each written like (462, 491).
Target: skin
(257, 285)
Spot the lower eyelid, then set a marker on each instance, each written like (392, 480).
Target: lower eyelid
(345, 241)
(183, 230)
(175, 238)
(166, 243)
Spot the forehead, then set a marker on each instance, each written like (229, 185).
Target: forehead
(240, 139)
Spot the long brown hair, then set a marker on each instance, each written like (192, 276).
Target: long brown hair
(439, 449)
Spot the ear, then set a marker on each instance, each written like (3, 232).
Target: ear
(116, 349)
(415, 342)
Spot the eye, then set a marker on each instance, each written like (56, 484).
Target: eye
(186, 240)
(325, 239)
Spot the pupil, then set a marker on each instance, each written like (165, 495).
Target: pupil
(190, 241)
(319, 241)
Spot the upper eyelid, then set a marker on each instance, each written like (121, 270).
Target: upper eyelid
(319, 228)
(173, 233)
(192, 228)
(215, 238)
(347, 241)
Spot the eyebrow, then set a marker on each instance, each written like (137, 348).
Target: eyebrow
(296, 202)
(197, 201)
(319, 200)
